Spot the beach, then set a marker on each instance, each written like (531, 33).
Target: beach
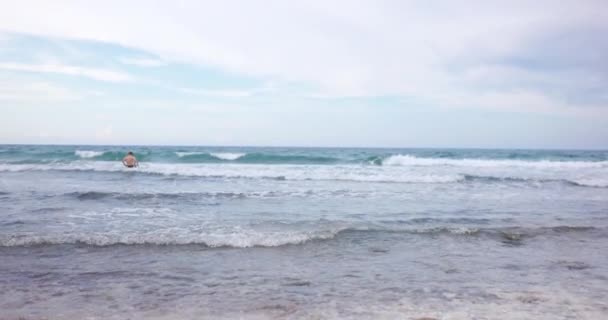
(302, 233)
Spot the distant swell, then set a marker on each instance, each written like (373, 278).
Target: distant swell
(251, 238)
(458, 159)
(250, 158)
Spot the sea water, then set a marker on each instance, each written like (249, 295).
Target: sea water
(302, 233)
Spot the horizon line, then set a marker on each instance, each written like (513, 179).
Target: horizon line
(301, 147)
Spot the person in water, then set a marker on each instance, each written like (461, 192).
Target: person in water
(130, 161)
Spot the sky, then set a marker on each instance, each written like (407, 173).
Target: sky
(468, 74)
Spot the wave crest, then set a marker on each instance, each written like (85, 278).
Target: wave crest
(355, 173)
(246, 238)
(593, 183)
(230, 156)
(85, 154)
(243, 239)
(408, 160)
(186, 154)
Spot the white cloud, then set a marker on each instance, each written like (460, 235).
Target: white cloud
(104, 133)
(143, 62)
(518, 101)
(36, 91)
(25, 89)
(219, 93)
(92, 73)
(342, 48)
(231, 93)
(4, 37)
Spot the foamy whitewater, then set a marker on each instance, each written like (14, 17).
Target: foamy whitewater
(302, 233)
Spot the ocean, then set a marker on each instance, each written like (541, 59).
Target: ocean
(302, 233)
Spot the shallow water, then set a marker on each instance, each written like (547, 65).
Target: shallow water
(302, 233)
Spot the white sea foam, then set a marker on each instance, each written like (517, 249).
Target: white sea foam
(210, 235)
(227, 155)
(407, 160)
(298, 172)
(583, 175)
(219, 155)
(592, 182)
(174, 236)
(88, 153)
(185, 154)
(537, 301)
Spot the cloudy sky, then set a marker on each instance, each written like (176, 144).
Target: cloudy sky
(505, 74)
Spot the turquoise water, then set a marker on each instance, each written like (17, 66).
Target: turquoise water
(329, 233)
(261, 155)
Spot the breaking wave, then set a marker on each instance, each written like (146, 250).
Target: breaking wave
(251, 158)
(97, 195)
(597, 178)
(247, 238)
(537, 159)
(88, 153)
(244, 239)
(227, 155)
(408, 160)
(186, 154)
(593, 183)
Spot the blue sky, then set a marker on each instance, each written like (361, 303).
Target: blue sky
(496, 74)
